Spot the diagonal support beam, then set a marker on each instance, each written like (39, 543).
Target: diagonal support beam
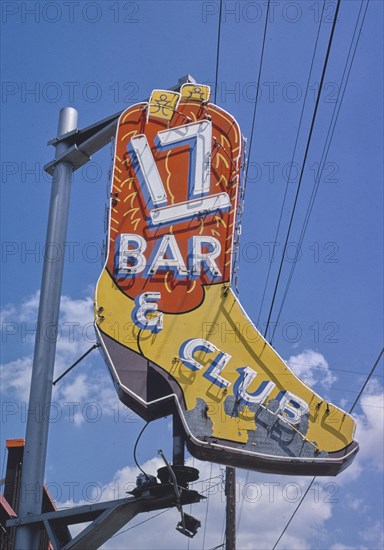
(107, 517)
(105, 526)
(82, 144)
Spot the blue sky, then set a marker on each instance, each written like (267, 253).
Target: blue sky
(100, 57)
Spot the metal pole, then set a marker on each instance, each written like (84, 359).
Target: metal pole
(230, 512)
(178, 442)
(32, 478)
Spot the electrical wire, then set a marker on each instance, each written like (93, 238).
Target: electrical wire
(206, 511)
(304, 161)
(292, 161)
(256, 99)
(135, 448)
(190, 506)
(313, 479)
(285, 196)
(322, 164)
(331, 129)
(366, 382)
(141, 522)
(330, 368)
(211, 487)
(223, 528)
(218, 52)
(208, 479)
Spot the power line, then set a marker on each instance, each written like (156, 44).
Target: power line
(247, 164)
(292, 161)
(331, 129)
(368, 405)
(206, 510)
(329, 368)
(289, 176)
(190, 506)
(294, 513)
(313, 479)
(141, 523)
(135, 448)
(256, 98)
(305, 159)
(218, 51)
(366, 382)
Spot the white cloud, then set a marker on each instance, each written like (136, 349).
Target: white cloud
(16, 379)
(373, 533)
(264, 504)
(268, 501)
(339, 546)
(355, 503)
(369, 434)
(312, 367)
(75, 336)
(370, 428)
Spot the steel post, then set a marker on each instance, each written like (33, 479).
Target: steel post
(230, 513)
(178, 442)
(32, 479)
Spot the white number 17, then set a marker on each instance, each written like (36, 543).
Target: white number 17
(199, 136)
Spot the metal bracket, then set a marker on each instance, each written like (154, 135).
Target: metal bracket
(107, 517)
(84, 143)
(188, 525)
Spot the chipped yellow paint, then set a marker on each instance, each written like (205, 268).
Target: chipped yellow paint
(221, 320)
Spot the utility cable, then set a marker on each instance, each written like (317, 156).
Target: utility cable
(256, 99)
(206, 511)
(366, 382)
(292, 161)
(313, 479)
(285, 196)
(331, 129)
(141, 523)
(135, 448)
(190, 506)
(218, 52)
(304, 161)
